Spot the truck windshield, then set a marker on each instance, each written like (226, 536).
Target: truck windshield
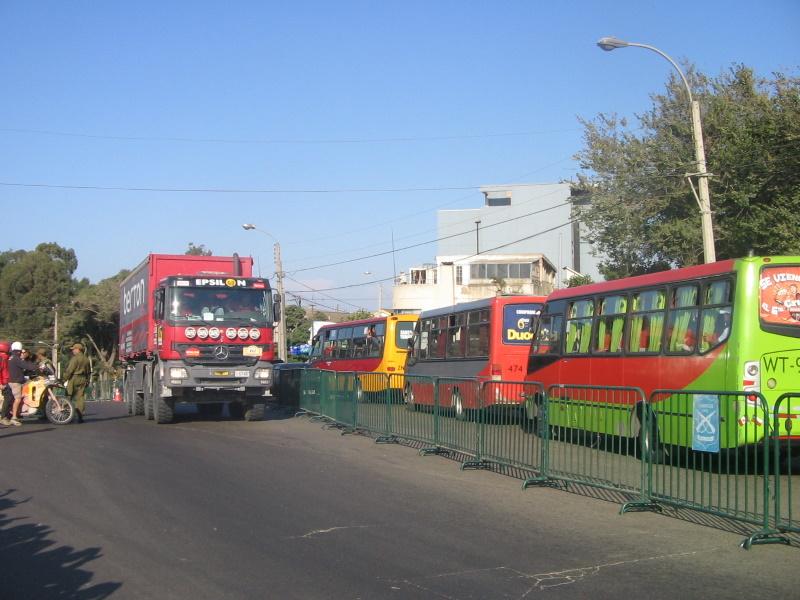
(229, 306)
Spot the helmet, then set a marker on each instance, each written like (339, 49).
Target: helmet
(4, 346)
(16, 346)
(77, 346)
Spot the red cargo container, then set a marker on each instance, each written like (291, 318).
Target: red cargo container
(196, 329)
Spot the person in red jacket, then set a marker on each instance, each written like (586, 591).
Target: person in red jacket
(5, 391)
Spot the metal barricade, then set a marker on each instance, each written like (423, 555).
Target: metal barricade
(710, 453)
(372, 403)
(459, 417)
(417, 418)
(310, 391)
(591, 438)
(509, 432)
(786, 462)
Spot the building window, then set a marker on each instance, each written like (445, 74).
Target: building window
(418, 276)
(498, 201)
(501, 271)
(459, 275)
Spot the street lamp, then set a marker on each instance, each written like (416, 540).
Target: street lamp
(281, 293)
(702, 197)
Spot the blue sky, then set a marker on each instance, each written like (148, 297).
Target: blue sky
(435, 98)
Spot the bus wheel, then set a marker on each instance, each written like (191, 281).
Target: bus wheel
(408, 397)
(457, 403)
(528, 418)
(648, 447)
(254, 412)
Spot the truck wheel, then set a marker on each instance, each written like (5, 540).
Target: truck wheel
(254, 412)
(162, 409)
(147, 400)
(127, 394)
(236, 410)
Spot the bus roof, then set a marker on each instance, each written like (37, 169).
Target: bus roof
(371, 320)
(651, 279)
(478, 304)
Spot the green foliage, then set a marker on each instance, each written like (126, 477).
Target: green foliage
(31, 285)
(359, 314)
(200, 250)
(577, 280)
(297, 325)
(644, 217)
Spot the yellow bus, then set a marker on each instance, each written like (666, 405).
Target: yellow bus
(378, 345)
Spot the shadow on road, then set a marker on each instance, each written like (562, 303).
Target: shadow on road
(33, 566)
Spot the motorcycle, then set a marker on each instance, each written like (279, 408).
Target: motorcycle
(40, 401)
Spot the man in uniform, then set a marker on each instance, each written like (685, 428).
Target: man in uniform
(76, 378)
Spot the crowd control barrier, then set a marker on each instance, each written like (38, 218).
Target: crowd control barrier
(722, 453)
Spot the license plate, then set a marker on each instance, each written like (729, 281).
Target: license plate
(251, 351)
(222, 373)
(241, 374)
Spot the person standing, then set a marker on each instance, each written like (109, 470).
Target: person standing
(17, 367)
(5, 391)
(76, 378)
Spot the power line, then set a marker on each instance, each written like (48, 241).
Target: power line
(429, 241)
(287, 141)
(236, 190)
(488, 250)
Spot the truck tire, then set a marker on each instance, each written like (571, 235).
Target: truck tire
(162, 408)
(236, 410)
(254, 412)
(147, 400)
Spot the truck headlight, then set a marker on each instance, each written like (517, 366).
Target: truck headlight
(178, 373)
(263, 373)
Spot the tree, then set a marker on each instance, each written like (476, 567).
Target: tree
(359, 314)
(644, 216)
(94, 319)
(297, 325)
(577, 280)
(31, 285)
(200, 250)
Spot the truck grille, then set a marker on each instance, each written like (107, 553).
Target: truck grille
(216, 354)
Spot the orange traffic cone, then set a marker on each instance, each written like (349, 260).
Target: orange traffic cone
(117, 395)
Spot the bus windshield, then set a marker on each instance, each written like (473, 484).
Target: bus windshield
(249, 306)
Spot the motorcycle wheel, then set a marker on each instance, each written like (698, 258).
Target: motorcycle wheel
(59, 411)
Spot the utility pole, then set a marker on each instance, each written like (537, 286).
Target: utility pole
(282, 295)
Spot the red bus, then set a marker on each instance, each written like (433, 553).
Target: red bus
(484, 340)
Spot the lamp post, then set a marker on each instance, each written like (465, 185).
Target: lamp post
(702, 197)
(281, 293)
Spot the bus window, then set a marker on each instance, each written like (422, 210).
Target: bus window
(404, 331)
(329, 344)
(547, 336)
(375, 334)
(610, 324)
(715, 323)
(682, 323)
(344, 343)
(421, 341)
(436, 340)
(579, 326)
(646, 321)
(456, 336)
(359, 341)
(478, 333)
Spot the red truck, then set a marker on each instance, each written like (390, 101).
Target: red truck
(196, 329)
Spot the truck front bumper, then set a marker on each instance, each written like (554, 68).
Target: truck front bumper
(179, 378)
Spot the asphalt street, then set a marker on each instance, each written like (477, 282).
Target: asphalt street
(214, 508)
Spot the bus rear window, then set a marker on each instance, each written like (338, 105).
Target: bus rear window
(403, 333)
(518, 320)
(779, 296)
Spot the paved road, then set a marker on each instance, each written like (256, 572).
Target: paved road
(213, 509)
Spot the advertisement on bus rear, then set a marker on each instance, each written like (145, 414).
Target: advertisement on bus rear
(780, 295)
(518, 322)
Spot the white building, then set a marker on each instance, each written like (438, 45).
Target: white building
(519, 242)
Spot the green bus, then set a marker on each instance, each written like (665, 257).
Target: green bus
(731, 328)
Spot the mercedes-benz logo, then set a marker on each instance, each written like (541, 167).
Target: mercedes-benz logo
(221, 352)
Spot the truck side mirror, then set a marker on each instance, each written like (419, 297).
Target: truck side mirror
(276, 306)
